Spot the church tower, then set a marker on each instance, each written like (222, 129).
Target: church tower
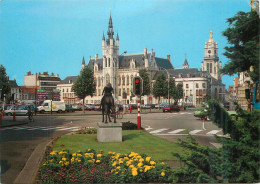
(211, 60)
(110, 51)
(185, 64)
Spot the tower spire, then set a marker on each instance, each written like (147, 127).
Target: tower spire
(103, 36)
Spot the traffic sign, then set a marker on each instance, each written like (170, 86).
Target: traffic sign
(150, 98)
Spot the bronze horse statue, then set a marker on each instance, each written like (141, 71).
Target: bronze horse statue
(108, 106)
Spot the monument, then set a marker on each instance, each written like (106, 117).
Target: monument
(108, 131)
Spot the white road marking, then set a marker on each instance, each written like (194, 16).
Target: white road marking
(48, 128)
(203, 126)
(176, 131)
(148, 128)
(63, 129)
(157, 131)
(213, 132)
(195, 131)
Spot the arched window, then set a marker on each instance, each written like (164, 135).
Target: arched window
(123, 78)
(108, 62)
(131, 79)
(99, 82)
(127, 80)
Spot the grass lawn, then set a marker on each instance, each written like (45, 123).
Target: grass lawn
(133, 140)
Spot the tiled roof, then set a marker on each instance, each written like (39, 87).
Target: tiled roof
(26, 89)
(124, 61)
(69, 80)
(165, 63)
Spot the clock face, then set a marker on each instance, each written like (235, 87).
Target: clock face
(209, 51)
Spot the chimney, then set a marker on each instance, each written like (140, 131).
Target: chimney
(153, 54)
(96, 56)
(52, 74)
(29, 73)
(169, 57)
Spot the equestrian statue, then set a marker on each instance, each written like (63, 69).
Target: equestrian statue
(107, 103)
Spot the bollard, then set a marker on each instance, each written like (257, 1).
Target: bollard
(14, 116)
(0, 118)
(138, 117)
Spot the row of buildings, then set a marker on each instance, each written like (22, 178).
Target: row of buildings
(119, 70)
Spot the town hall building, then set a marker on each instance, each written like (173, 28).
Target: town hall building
(120, 69)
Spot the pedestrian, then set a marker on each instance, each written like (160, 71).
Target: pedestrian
(30, 113)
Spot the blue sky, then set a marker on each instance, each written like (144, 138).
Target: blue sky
(54, 35)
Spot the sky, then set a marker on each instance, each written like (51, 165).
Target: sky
(54, 35)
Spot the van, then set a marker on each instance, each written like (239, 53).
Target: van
(57, 106)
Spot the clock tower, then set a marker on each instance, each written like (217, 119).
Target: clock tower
(211, 60)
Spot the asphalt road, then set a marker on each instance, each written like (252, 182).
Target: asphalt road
(17, 143)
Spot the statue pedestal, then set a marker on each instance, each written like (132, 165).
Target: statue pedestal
(109, 132)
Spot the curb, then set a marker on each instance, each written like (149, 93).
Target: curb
(32, 166)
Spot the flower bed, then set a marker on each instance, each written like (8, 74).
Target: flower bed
(97, 167)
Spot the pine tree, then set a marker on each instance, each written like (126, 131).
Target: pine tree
(85, 84)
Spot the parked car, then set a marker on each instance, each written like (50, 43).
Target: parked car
(77, 107)
(18, 110)
(202, 114)
(145, 106)
(7, 106)
(162, 105)
(97, 107)
(69, 108)
(171, 108)
(90, 107)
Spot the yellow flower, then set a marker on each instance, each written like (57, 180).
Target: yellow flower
(140, 164)
(79, 160)
(131, 166)
(78, 151)
(134, 172)
(147, 168)
(74, 154)
(53, 153)
(152, 162)
(97, 161)
(64, 159)
(147, 159)
(79, 155)
(118, 167)
(114, 163)
(66, 163)
(162, 174)
(162, 163)
(141, 160)
(99, 155)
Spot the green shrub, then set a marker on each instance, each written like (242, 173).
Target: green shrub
(87, 131)
(129, 126)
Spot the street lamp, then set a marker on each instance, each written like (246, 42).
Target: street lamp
(168, 75)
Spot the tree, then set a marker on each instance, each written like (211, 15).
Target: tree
(85, 84)
(243, 38)
(4, 82)
(146, 81)
(178, 93)
(160, 86)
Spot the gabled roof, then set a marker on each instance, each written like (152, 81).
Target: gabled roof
(193, 72)
(69, 80)
(13, 84)
(165, 63)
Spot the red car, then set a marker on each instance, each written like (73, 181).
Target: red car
(171, 108)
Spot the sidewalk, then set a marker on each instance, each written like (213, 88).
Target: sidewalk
(8, 121)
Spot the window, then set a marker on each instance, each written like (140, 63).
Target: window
(132, 80)
(204, 85)
(190, 92)
(210, 68)
(123, 78)
(127, 80)
(187, 85)
(108, 62)
(215, 71)
(127, 91)
(119, 80)
(119, 94)
(197, 92)
(197, 85)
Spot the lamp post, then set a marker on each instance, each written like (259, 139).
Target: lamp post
(168, 75)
